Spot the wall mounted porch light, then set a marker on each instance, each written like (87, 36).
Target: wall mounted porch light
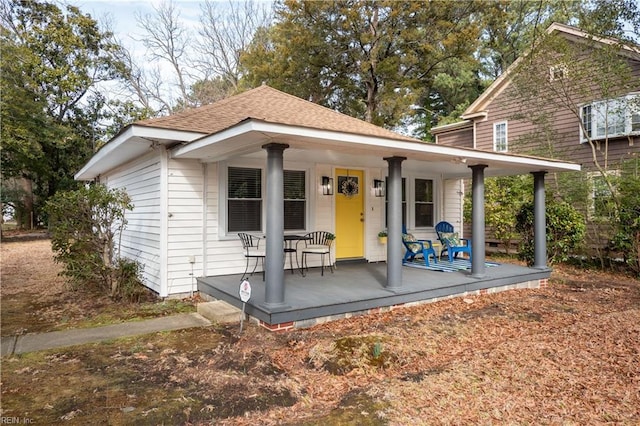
(327, 185)
(378, 188)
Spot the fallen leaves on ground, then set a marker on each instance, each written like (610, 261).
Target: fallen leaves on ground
(566, 354)
(36, 299)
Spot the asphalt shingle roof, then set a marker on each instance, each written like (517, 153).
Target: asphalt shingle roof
(270, 105)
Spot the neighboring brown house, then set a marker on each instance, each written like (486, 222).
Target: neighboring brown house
(551, 102)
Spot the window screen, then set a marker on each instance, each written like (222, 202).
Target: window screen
(294, 200)
(244, 199)
(424, 203)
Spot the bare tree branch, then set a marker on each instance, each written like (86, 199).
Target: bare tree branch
(167, 40)
(226, 31)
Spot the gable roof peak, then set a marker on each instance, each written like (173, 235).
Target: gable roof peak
(568, 31)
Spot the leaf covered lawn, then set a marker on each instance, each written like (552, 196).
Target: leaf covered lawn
(566, 354)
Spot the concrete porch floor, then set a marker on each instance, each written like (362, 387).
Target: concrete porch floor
(356, 288)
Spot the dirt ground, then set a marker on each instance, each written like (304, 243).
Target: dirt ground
(36, 299)
(567, 354)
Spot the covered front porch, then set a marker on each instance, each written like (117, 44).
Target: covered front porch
(357, 288)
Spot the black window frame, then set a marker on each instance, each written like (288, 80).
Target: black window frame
(245, 194)
(295, 200)
(419, 203)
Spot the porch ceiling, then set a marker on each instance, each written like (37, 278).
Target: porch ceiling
(247, 138)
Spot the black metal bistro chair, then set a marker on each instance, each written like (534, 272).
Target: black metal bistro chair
(252, 250)
(316, 243)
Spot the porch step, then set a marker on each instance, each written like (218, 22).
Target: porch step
(219, 311)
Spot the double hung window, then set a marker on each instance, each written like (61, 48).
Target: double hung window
(421, 200)
(601, 197)
(295, 202)
(244, 200)
(610, 118)
(500, 137)
(245, 207)
(424, 208)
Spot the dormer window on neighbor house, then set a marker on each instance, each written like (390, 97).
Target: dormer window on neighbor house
(610, 118)
(500, 143)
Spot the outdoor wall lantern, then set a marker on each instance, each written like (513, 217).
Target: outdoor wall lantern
(327, 185)
(378, 188)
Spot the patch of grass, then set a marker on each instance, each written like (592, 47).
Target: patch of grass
(356, 408)
(163, 378)
(352, 352)
(26, 313)
(36, 299)
(117, 313)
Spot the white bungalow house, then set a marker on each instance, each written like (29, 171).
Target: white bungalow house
(179, 169)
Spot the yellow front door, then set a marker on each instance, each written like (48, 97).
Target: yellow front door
(349, 213)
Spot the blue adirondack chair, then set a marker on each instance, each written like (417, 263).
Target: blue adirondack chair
(417, 248)
(451, 242)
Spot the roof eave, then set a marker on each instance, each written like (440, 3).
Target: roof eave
(451, 127)
(128, 144)
(253, 134)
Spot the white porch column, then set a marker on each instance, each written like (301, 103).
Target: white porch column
(539, 222)
(477, 222)
(274, 259)
(394, 223)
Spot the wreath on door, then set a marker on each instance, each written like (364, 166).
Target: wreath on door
(349, 186)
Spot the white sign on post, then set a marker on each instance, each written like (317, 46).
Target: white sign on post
(245, 295)
(245, 291)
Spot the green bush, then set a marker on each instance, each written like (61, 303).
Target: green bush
(565, 231)
(503, 198)
(627, 237)
(130, 288)
(85, 225)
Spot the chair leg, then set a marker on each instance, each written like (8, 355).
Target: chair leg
(245, 270)
(256, 267)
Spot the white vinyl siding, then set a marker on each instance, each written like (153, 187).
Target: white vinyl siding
(185, 230)
(500, 138)
(141, 238)
(452, 204)
(224, 254)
